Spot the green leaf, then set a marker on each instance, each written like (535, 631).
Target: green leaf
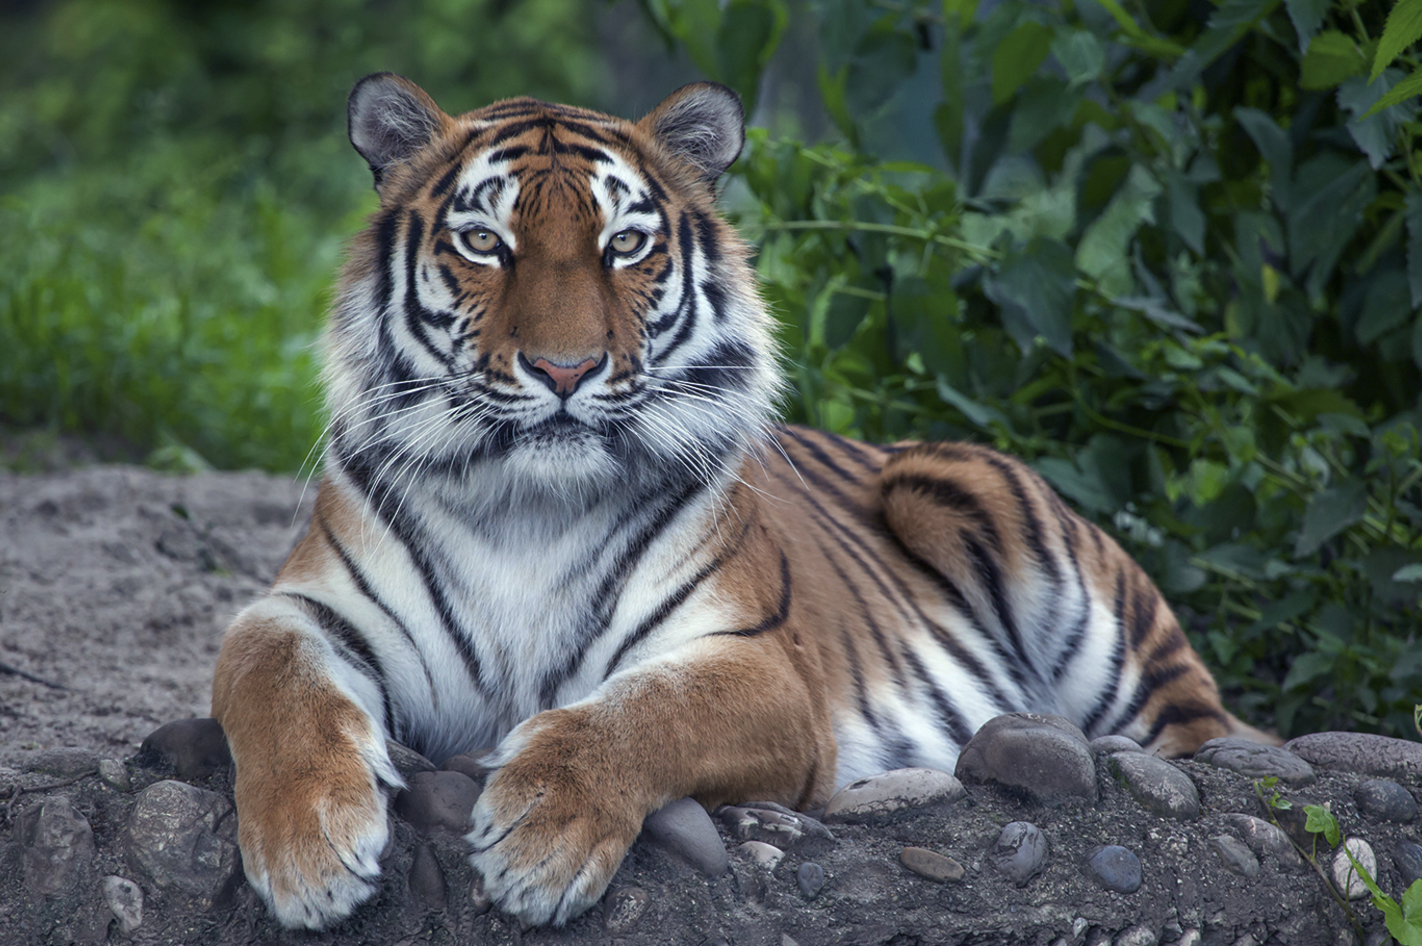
(881, 63)
(1271, 140)
(1413, 206)
(748, 33)
(1321, 821)
(1307, 16)
(1407, 929)
(1411, 572)
(1329, 513)
(1102, 252)
(980, 415)
(948, 116)
(1080, 55)
(925, 321)
(1017, 57)
(1307, 668)
(1038, 286)
(1408, 88)
(1084, 487)
(1375, 130)
(1331, 58)
(1404, 27)
(1387, 305)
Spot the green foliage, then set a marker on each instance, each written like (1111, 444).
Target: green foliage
(177, 186)
(1176, 266)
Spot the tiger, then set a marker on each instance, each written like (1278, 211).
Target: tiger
(559, 521)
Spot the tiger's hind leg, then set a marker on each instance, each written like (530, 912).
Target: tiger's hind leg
(1085, 632)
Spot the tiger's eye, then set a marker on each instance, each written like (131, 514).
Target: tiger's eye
(627, 242)
(481, 241)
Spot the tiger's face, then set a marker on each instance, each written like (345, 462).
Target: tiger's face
(546, 295)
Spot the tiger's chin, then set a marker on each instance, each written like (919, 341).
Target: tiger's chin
(562, 458)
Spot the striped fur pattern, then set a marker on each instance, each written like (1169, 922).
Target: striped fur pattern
(556, 521)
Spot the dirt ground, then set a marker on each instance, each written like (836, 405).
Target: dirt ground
(116, 583)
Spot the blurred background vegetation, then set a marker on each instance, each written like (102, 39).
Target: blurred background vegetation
(1167, 251)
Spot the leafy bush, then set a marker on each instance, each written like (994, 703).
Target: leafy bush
(1165, 253)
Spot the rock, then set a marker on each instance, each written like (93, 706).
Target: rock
(879, 797)
(1157, 785)
(194, 748)
(65, 762)
(809, 825)
(407, 761)
(810, 878)
(1043, 758)
(1256, 760)
(1360, 753)
(426, 879)
(766, 855)
(58, 846)
(931, 864)
(114, 774)
(1263, 838)
(125, 899)
(438, 801)
(470, 764)
(1139, 935)
(182, 838)
(1235, 855)
(1345, 877)
(1407, 857)
(1385, 800)
(1105, 745)
(1020, 852)
(771, 827)
(1116, 868)
(623, 907)
(685, 829)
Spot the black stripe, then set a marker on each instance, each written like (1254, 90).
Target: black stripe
(686, 311)
(352, 646)
(1144, 604)
(1031, 525)
(1177, 713)
(952, 720)
(893, 659)
(707, 237)
(782, 610)
(1118, 654)
(416, 315)
(446, 181)
(1145, 687)
(950, 495)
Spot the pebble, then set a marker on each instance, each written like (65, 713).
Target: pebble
(623, 907)
(1235, 855)
(810, 825)
(114, 774)
(195, 748)
(1139, 935)
(406, 760)
(470, 764)
(438, 800)
(759, 824)
(1044, 758)
(1159, 786)
(66, 762)
(1407, 856)
(1344, 877)
(685, 829)
(931, 864)
(58, 845)
(766, 855)
(426, 879)
(1360, 753)
(173, 836)
(1264, 838)
(1190, 937)
(124, 899)
(1105, 745)
(881, 796)
(1020, 852)
(1116, 868)
(1255, 760)
(1386, 800)
(810, 878)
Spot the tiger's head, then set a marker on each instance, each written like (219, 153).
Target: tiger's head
(547, 296)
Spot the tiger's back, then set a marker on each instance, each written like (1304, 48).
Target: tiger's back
(556, 519)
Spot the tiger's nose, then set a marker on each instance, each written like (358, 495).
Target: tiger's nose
(562, 379)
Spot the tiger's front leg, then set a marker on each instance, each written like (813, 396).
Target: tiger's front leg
(727, 719)
(311, 767)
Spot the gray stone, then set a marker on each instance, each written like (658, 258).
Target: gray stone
(1407, 857)
(1256, 760)
(1105, 745)
(470, 764)
(125, 899)
(1139, 935)
(685, 829)
(426, 879)
(766, 855)
(182, 838)
(811, 879)
(1360, 753)
(1235, 855)
(66, 762)
(623, 907)
(1385, 800)
(1020, 852)
(407, 761)
(114, 774)
(438, 801)
(879, 797)
(931, 864)
(194, 748)
(1043, 758)
(1157, 785)
(1264, 838)
(1345, 877)
(1116, 868)
(58, 846)
(1190, 937)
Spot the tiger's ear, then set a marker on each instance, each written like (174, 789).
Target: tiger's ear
(703, 124)
(390, 119)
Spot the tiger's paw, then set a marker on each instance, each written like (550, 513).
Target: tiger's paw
(549, 831)
(311, 838)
